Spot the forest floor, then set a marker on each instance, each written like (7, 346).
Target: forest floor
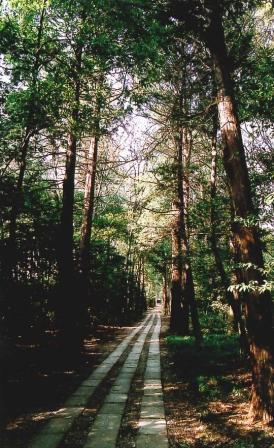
(206, 392)
(39, 382)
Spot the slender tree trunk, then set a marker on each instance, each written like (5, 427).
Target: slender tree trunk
(30, 130)
(66, 259)
(182, 287)
(127, 267)
(144, 303)
(165, 293)
(17, 206)
(257, 305)
(18, 199)
(188, 284)
(179, 313)
(143, 275)
(178, 278)
(187, 148)
(88, 207)
(66, 227)
(140, 305)
(239, 300)
(69, 308)
(233, 301)
(176, 312)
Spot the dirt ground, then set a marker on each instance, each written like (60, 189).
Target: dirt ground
(206, 393)
(207, 403)
(39, 382)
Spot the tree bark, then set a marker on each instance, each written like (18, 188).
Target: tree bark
(182, 286)
(66, 227)
(30, 130)
(18, 197)
(165, 293)
(188, 284)
(69, 308)
(88, 209)
(257, 305)
(66, 259)
(177, 315)
(176, 312)
(141, 305)
(187, 148)
(233, 301)
(182, 189)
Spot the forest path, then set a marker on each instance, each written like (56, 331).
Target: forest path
(152, 425)
(83, 423)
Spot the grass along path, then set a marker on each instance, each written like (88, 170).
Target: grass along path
(206, 394)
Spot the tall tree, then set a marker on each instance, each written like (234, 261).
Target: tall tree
(258, 305)
(88, 209)
(182, 286)
(206, 20)
(176, 311)
(29, 32)
(188, 283)
(232, 300)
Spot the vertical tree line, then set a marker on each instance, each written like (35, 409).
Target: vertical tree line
(79, 239)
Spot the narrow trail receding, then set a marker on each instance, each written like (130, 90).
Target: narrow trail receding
(93, 416)
(58, 426)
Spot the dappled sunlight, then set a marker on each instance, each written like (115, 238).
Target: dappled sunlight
(210, 407)
(157, 424)
(91, 343)
(34, 417)
(136, 219)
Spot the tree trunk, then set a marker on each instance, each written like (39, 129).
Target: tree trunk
(141, 306)
(66, 259)
(187, 148)
(66, 226)
(69, 307)
(188, 284)
(88, 207)
(238, 298)
(17, 206)
(257, 305)
(182, 287)
(165, 293)
(233, 301)
(178, 239)
(176, 312)
(18, 201)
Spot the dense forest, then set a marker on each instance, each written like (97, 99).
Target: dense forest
(137, 166)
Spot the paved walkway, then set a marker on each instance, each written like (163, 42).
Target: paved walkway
(105, 428)
(152, 425)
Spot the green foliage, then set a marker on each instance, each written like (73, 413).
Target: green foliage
(222, 344)
(122, 59)
(209, 367)
(256, 87)
(270, 199)
(214, 321)
(212, 387)
(253, 286)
